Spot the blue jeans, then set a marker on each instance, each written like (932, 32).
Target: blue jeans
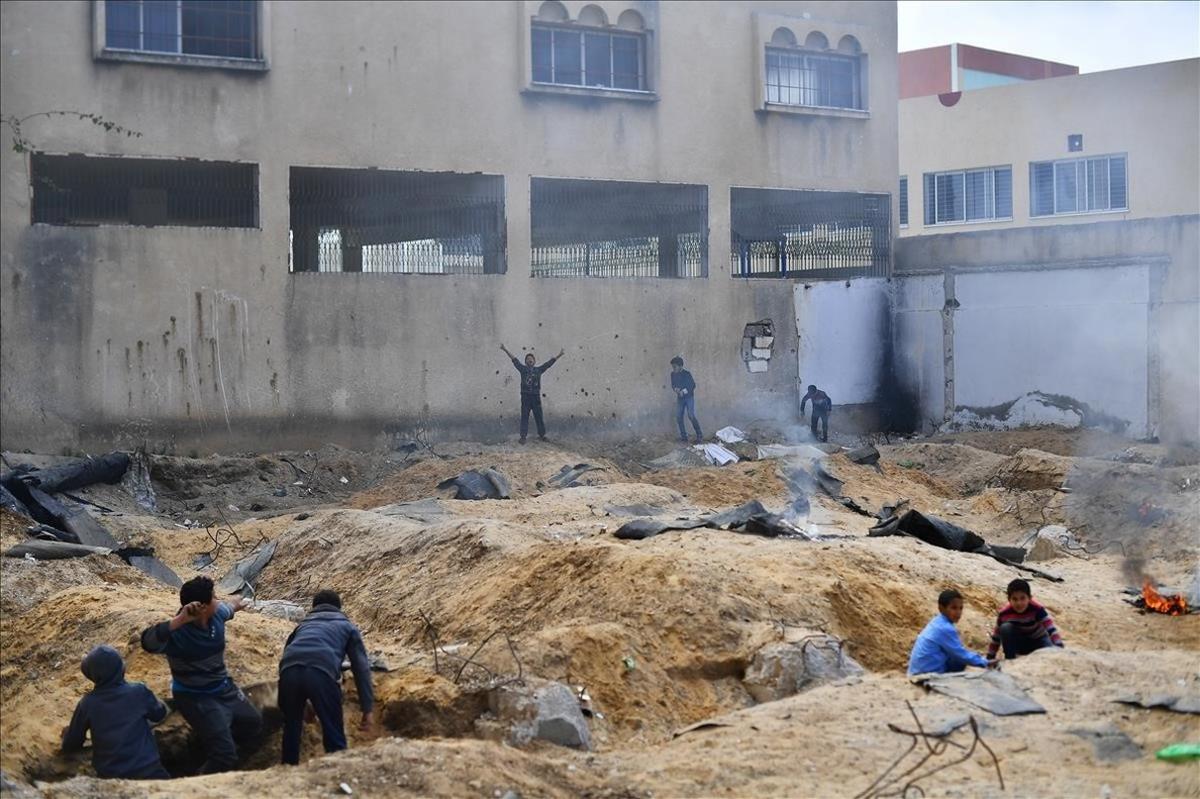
(299, 685)
(686, 404)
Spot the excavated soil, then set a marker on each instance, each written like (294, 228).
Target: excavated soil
(659, 632)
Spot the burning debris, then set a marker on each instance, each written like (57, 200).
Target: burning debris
(1173, 605)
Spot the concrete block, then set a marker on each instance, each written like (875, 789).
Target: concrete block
(757, 366)
(760, 353)
(781, 670)
(763, 341)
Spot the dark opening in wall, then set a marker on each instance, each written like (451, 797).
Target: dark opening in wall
(608, 228)
(107, 190)
(789, 233)
(372, 220)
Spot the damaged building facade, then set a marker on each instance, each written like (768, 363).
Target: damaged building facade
(303, 222)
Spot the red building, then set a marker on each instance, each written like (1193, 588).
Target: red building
(961, 67)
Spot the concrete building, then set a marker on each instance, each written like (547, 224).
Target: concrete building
(1049, 242)
(1069, 150)
(333, 212)
(963, 67)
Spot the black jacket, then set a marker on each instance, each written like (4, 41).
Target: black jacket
(531, 377)
(119, 714)
(322, 640)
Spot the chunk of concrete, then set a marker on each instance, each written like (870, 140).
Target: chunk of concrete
(545, 710)
(757, 366)
(782, 670)
(763, 342)
(765, 354)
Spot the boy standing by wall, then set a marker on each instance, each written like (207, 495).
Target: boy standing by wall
(684, 386)
(531, 390)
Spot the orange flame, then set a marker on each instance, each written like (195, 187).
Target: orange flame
(1174, 605)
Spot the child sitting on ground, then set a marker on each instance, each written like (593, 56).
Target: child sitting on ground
(938, 648)
(1022, 626)
(119, 714)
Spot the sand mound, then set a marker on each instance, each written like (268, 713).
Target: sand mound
(964, 469)
(720, 487)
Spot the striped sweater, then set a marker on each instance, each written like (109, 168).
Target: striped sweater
(1035, 622)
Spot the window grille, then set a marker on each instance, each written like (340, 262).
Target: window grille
(223, 28)
(591, 58)
(812, 80)
(1078, 186)
(96, 190)
(605, 228)
(972, 195)
(791, 233)
(371, 220)
(904, 202)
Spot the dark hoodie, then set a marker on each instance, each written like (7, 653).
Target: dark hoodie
(117, 713)
(321, 641)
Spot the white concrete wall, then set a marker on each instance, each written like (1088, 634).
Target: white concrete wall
(842, 335)
(1078, 332)
(919, 355)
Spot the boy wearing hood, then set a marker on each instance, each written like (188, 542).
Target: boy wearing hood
(311, 671)
(119, 715)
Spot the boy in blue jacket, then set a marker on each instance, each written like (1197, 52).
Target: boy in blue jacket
(938, 648)
(215, 708)
(119, 715)
(311, 671)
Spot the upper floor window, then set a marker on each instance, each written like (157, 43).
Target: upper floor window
(904, 202)
(1078, 186)
(972, 195)
(226, 29)
(588, 52)
(813, 76)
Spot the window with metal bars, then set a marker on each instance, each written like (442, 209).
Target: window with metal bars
(972, 195)
(1078, 186)
(97, 190)
(570, 56)
(795, 77)
(608, 228)
(904, 202)
(794, 233)
(221, 28)
(374, 220)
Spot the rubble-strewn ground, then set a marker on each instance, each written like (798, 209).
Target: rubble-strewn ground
(688, 610)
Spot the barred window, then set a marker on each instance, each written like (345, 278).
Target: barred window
(608, 228)
(790, 233)
(373, 220)
(223, 28)
(904, 202)
(96, 190)
(591, 58)
(813, 80)
(1078, 186)
(972, 195)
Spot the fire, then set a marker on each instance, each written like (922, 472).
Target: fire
(1174, 605)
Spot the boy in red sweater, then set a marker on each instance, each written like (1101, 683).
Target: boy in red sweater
(1022, 625)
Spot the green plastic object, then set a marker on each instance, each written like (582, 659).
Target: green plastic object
(1178, 753)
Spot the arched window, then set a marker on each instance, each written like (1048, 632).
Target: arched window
(816, 41)
(588, 53)
(631, 20)
(815, 76)
(593, 16)
(782, 37)
(849, 45)
(553, 11)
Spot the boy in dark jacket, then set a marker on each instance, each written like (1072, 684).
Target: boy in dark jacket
(119, 715)
(194, 643)
(311, 671)
(821, 406)
(531, 390)
(684, 386)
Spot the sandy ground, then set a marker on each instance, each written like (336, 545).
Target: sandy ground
(689, 608)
